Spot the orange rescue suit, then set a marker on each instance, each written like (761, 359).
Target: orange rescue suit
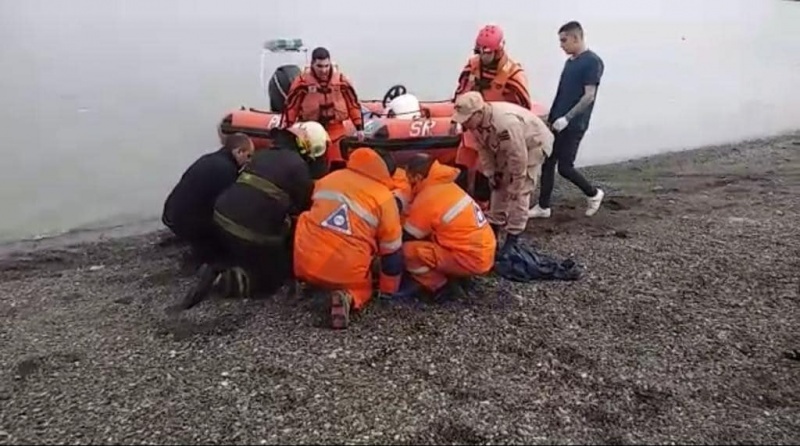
(330, 103)
(353, 219)
(504, 81)
(455, 237)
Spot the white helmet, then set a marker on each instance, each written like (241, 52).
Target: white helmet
(405, 106)
(312, 138)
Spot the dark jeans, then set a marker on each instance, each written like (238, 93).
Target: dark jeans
(269, 266)
(565, 149)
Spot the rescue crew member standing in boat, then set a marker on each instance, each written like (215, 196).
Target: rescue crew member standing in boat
(512, 144)
(323, 94)
(496, 77)
(492, 73)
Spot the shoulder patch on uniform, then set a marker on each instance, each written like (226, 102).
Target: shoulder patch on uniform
(339, 221)
(480, 217)
(504, 135)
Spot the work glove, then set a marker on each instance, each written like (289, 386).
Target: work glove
(560, 124)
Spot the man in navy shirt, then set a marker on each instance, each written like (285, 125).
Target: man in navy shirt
(569, 117)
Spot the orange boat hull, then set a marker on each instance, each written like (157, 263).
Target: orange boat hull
(440, 109)
(433, 135)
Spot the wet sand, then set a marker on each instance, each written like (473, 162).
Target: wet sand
(684, 329)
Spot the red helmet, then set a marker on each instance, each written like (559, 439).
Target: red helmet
(490, 38)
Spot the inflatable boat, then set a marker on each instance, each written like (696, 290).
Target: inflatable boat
(428, 130)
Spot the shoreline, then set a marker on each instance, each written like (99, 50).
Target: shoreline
(144, 227)
(682, 330)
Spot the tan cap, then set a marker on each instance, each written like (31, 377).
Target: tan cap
(467, 104)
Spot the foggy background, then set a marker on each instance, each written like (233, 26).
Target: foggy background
(104, 103)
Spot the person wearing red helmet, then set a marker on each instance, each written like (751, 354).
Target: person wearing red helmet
(497, 78)
(492, 73)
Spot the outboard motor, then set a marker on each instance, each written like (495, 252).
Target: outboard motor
(279, 85)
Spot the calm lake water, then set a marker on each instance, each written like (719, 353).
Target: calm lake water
(103, 103)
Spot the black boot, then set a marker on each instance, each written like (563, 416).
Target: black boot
(208, 275)
(511, 241)
(241, 287)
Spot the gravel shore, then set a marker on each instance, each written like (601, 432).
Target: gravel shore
(684, 329)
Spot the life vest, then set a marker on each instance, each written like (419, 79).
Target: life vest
(254, 209)
(324, 103)
(506, 68)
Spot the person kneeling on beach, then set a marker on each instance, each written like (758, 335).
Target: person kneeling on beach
(255, 214)
(353, 219)
(446, 235)
(189, 208)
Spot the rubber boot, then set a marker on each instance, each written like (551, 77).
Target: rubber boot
(511, 241)
(451, 291)
(408, 288)
(241, 283)
(207, 276)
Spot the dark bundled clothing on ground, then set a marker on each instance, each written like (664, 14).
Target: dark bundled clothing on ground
(522, 263)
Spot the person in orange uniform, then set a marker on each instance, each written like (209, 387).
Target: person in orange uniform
(323, 94)
(446, 234)
(492, 73)
(353, 219)
(497, 78)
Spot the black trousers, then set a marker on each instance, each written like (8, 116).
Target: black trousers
(202, 237)
(565, 150)
(268, 266)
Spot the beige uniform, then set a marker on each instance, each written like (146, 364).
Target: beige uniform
(514, 142)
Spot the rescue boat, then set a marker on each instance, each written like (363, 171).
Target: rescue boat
(429, 130)
(422, 126)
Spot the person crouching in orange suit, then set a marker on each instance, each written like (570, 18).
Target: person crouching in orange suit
(323, 94)
(353, 219)
(446, 235)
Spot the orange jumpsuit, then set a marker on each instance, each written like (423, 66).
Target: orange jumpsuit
(352, 220)
(330, 103)
(458, 239)
(504, 82)
(401, 189)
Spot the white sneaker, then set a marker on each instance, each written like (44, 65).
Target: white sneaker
(537, 212)
(594, 202)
